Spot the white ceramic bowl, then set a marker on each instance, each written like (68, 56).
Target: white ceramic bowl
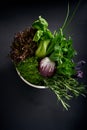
(32, 85)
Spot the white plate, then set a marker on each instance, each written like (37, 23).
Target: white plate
(35, 86)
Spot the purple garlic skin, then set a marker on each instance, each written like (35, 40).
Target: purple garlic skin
(46, 67)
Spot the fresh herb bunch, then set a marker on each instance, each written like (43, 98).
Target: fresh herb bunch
(62, 52)
(46, 58)
(65, 88)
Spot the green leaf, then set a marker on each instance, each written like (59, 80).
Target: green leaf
(37, 35)
(40, 24)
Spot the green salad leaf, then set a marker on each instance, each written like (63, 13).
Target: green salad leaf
(43, 36)
(37, 35)
(40, 24)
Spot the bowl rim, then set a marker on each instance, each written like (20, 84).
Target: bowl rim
(28, 83)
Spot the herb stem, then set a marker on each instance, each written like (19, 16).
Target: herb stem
(67, 15)
(67, 22)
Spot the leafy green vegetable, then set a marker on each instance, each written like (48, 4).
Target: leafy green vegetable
(42, 36)
(41, 51)
(40, 24)
(62, 52)
(37, 35)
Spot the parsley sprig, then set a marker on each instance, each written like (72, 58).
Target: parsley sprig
(62, 52)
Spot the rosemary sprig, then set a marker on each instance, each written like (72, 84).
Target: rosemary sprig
(64, 88)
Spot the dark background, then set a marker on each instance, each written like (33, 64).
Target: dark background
(23, 107)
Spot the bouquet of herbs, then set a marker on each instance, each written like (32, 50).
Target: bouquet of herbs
(47, 59)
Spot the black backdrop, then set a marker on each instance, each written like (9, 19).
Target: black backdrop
(23, 107)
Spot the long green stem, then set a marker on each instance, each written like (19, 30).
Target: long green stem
(67, 19)
(74, 12)
(67, 15)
